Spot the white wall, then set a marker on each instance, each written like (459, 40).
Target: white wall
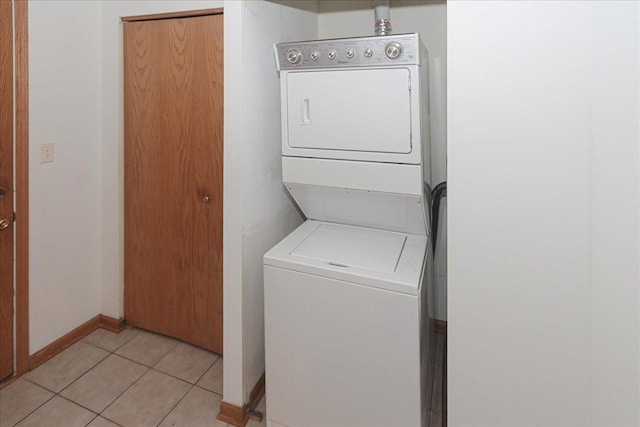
(615, 214)
(543, 220)
(233, 384)
(349, 18)
(64, 196)
(258, 212)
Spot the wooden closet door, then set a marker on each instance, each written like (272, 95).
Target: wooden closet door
(173, 83)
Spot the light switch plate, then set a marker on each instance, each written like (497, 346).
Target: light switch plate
(46, 153)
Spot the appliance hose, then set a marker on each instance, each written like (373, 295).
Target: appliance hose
(439, 191)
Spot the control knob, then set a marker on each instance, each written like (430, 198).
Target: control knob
(350, 53)
(294, 56)
(368, 52)
(331, 54)
(393, 50)
(315, 55)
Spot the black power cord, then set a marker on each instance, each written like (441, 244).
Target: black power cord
(439, 191)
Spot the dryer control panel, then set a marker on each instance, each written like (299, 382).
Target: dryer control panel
(402, 49)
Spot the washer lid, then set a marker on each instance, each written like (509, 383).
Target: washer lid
(353, 247)
(369, 257)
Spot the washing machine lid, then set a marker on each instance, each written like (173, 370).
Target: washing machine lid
(357, 247)
(369, 257)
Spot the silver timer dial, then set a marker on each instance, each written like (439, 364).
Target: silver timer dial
(294, 56)
(393, 50)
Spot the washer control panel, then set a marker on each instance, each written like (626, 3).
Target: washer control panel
(352, 52)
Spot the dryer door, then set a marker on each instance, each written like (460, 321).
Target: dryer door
(347, 114)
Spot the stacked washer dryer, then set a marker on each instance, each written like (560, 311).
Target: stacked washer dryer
(349, 294)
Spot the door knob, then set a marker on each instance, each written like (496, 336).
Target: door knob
(206, 199)
(3, 224)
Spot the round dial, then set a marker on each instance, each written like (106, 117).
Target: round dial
(368, 52)
(294, 56)
(393, 50)
(331, 54)
(315, 55)
(349, 54)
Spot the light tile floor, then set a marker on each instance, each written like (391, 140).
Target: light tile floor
(131, 379)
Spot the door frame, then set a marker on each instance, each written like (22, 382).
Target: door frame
(21, 187)
(7, 144)
(20, 42)
(22, 184)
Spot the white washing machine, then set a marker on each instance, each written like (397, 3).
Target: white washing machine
(349, 294)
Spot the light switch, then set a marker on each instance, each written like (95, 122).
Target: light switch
(46, 153)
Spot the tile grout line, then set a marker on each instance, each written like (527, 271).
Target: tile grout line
(196, 383)
(123, 392)
(110, 420)
(173, 376)
(218, 357)
(25, 377)
(54, 393)
(134, 361)
(205, 371)
(38, 407)
(57, 394)
(77, 404)
(186, 381)
(143, 364)
(178, 342)
(106, 349)
(192, 385)
(111, 352)
(92, 420)
(152, 368)
(84, 373)
(35, 383)
(174, 406)
(210, 391)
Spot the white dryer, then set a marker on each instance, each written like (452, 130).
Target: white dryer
(349, 294)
